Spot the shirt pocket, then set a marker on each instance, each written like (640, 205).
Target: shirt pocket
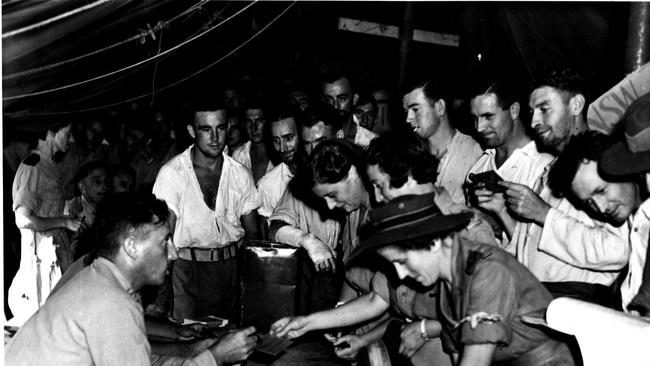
(51, 201)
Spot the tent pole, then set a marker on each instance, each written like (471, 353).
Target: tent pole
(637, 50)
(406, 31)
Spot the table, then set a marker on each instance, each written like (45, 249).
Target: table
(307, 351)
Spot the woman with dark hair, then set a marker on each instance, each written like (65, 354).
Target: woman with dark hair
(398, 166)
(482, 295)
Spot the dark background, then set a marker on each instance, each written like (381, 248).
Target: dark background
(517, 40)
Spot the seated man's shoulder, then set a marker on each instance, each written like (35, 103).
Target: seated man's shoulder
(92, 287)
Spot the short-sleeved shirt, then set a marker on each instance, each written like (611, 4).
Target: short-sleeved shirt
(271, 187)
(37, 187)
(404, 300)
(360, 279)
(196, 224)
(461, 154)
(487, 279)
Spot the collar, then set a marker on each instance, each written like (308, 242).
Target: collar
(643, 211)
(108, 269)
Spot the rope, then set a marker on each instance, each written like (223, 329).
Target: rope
(155, 70)
(177, 82)
(130, 66)
(55, 19)
(92, 53)
(103, 88)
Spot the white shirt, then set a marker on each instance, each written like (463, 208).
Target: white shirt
(196, 224)
(271, 187)
(242, 155)
(639, 236)
(462, 153)
(363, 136)
(524, 166)
(571, 246)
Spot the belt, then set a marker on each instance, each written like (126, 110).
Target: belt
(208, 254)
(591, 292)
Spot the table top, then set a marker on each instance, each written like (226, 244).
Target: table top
(310, 351)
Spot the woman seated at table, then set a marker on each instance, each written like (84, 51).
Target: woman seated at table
(483, 293)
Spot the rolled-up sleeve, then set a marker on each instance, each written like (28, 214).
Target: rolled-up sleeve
(577, 240)
(287, 209)
(379, 286)
(25, 189)
(249, 198)
(492, 290)
(167, 187)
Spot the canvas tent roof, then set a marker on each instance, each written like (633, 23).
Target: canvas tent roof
(520, 39)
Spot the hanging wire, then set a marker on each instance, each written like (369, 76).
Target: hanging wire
(105, 87)
(130, 66)
(92, 53)
(54, 19)
(177, 82)
(10, 2)
(155, 70)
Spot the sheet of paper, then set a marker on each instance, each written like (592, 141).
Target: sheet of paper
(271, 345)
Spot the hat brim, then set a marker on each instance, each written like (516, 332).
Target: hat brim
(437, 224)
(618, 160)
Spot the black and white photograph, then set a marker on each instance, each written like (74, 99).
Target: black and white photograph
(325, 183)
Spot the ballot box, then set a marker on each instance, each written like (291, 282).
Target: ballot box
(274, 282)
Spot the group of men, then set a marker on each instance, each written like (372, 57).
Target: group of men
(552, 207)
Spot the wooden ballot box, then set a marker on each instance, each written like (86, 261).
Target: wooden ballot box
(273, 280)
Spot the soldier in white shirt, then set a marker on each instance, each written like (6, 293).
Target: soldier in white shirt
(214, 207)
(572, 253)
(511, 153)
(426, 113)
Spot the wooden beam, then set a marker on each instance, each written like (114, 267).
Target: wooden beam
(392, 31)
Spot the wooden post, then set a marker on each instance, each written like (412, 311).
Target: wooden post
(406, 34)
(637, 51)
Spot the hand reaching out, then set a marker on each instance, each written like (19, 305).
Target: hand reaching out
(292, 327)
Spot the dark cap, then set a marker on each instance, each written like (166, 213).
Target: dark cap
(404, 218)
(632, 155)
